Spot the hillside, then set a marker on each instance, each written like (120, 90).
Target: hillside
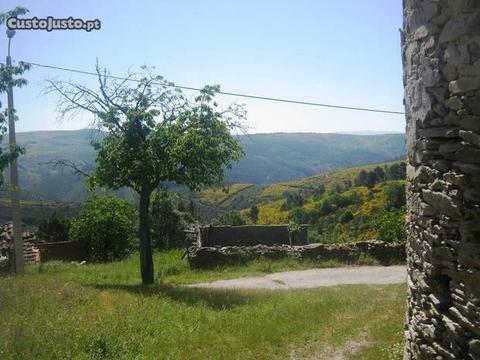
(360, 203)
(350, 204)
(270, 158)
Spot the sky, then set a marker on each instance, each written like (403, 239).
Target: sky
(343, 52)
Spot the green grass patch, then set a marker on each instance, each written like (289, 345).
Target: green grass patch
(98, 311)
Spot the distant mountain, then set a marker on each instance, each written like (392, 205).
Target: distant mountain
(278, 157)
(370, 132)
(269, 158)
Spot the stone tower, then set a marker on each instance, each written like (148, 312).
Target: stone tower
(441, 60)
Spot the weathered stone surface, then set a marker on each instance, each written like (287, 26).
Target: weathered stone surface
(454, 103)
(474, 347)
(31, 251)
(468, 122)
(464, 84)
(456, 179)
(438, 132)
(443, 191)
(449, 147)
(468, 154)
(470, 136)
(473, 103)
(442, 203)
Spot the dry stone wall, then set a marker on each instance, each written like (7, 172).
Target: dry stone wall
(209, 256)
(249, 235)
(441, 59)
(31, 252)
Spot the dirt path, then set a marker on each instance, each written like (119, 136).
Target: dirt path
(307, 279)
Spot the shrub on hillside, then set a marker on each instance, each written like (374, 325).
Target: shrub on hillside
(292, 199)
(253, 214)
(54, 228)
(346, 217)
(168, 222)
(394, 195)
(298, 215)
(230, 218)
(107, 228)
(390, 225)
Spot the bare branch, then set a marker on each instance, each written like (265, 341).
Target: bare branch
(62, 163)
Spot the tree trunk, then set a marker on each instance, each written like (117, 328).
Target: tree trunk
(146, 261)
(441, 51)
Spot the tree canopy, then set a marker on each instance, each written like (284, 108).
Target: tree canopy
(155, 134)
(9, 76)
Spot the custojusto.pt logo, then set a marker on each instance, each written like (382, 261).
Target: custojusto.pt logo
(50, 23)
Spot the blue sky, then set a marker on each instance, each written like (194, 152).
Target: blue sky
(341, 52)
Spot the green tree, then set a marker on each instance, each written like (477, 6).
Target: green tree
(298, 215)
(379, 173)
(154, 135)
(292, 199)
(230, 218)
(371, 179)
(319, 191)
(397, 171)
(17, 11)
(54, 228)
(9, 76)
(362, 178)
(346, 217)
(168, 221)
(106, 227)
(253, 213)
(394, 195)
(390, 225)
(325, 208)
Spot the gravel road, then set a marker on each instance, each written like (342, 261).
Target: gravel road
(313, 278)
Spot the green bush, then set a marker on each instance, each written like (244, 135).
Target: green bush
(230, 218)
(346, 217)
(55, 228)
(394, 195)
(390, 225)
(298, 215)
(253, 213)
(168, 222)
(107, 228)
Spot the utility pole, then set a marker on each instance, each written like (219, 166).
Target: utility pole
(15, 195)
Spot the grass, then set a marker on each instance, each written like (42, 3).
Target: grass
(99, 311)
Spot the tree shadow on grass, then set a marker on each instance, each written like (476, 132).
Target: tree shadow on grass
(217, 299)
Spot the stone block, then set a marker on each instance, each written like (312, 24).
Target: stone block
(442, 203)
(464, 84)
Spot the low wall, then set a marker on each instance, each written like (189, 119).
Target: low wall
(384, 253)
(65, 250)
(249, 235)
(30, 250)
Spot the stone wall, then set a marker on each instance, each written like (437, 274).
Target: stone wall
(441, 59)
(31, 254)
(384, 253)
(249, 235)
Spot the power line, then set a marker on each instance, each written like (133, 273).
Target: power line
(258, 97)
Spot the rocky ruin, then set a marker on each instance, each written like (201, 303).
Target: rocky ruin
(441, 59)
(31, 253)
